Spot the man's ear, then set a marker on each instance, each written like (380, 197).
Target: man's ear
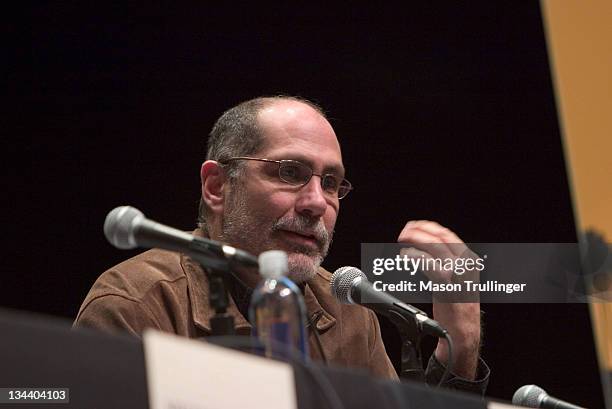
(213, 179)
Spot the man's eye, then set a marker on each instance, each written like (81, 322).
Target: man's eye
(330, 183)
(290, 173)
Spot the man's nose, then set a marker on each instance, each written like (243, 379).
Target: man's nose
(311, 198)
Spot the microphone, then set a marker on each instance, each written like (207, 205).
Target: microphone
(126, 227)
(350, 286)
(532, 396)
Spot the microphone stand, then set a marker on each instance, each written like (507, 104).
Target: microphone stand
(411, 361)
(221, 323)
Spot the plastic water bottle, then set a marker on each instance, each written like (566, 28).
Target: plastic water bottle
(277, 309)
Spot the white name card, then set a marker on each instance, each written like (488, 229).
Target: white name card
(188, 374)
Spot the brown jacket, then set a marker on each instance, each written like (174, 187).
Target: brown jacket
(168, 291)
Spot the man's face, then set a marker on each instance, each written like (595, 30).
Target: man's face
(263, 213)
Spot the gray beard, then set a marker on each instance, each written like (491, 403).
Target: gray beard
(243, 229)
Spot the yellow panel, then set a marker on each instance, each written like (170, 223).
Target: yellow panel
(579, 35)
(580, 43)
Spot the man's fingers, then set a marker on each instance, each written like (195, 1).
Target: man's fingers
(412, 252)
(437, 233)
(425, 241)
(446, 234)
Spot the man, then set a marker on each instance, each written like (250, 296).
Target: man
(273, 179)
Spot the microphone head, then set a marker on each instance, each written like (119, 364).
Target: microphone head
(530, 396)
(119, 226)
(342, 283)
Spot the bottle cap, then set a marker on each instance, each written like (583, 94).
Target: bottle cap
(273, 263)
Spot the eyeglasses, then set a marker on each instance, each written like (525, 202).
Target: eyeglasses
(299, 174)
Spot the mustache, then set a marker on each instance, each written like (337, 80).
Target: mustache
(306, 226)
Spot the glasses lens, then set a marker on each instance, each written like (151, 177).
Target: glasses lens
(330, 184)
(295, 173)
(344, 188)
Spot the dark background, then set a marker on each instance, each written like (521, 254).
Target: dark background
(444, 112)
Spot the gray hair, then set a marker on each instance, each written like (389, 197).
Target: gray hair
(237, 133)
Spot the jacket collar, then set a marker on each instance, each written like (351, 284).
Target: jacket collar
(198, 287)
(318, 288)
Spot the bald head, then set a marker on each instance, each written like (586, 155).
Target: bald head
(283, 121)
(238, 133)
